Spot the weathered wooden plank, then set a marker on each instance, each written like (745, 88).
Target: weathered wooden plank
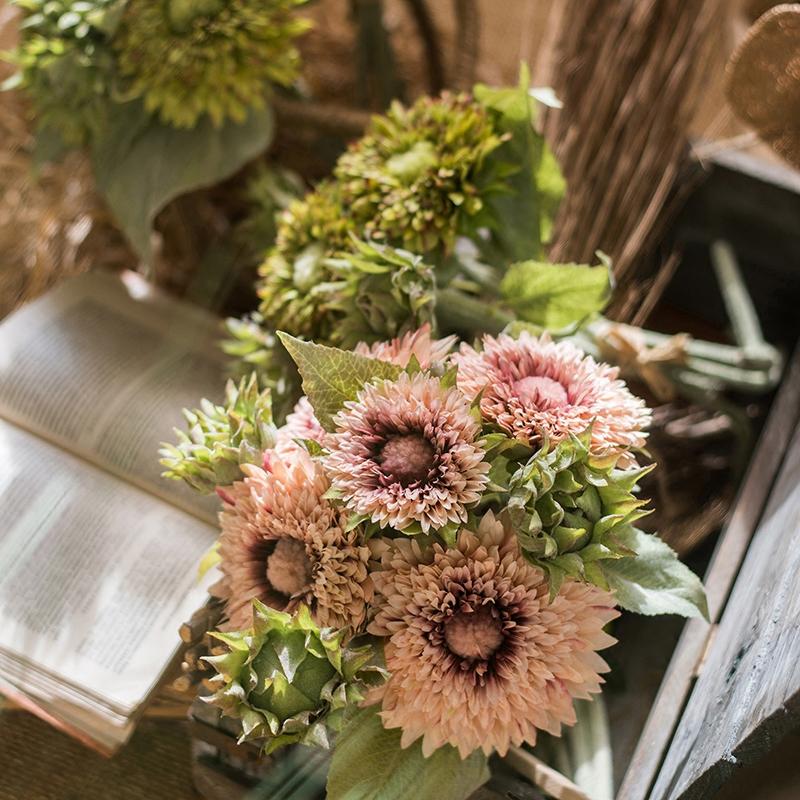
(748, 694)
(719, 578)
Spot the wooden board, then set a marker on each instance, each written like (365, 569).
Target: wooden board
(748, 693)
(719, 578)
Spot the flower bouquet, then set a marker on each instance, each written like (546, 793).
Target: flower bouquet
(420, 566)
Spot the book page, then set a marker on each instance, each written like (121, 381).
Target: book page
(105, 375)
(96, 575)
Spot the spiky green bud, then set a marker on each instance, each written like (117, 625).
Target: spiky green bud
(377, 292)
(417, 178)
(255, 348)
(289, 681)
(187, 60)
(572, 510)
(220, 438)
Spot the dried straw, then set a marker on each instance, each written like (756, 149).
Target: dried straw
(629, 73)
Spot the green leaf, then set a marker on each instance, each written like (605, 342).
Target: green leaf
(369, 764)
(524, 214)
(331, 376)
(654, 581)
(141, 164)
(555, 295)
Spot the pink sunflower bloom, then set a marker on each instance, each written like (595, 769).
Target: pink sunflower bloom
(536, 389)
(302, 423)
(419, 343)
(284, 544)
(406, 451)
(478, 654)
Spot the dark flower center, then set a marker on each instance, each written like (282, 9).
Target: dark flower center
(474, 635)
(289, 567)
(406, 458)
(541, 392)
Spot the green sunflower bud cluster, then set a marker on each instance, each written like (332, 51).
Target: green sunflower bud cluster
(378, 292)
(289, 681)
(65, 63)
(417, 178)
(293, 276)
(254, 348)
(572, 510)
(188, 59)
(220, 438)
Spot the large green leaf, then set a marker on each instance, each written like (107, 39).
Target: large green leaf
(523, 215)
(331, 376)
(654, 581)
(555, 295)
(369, 764)
(141, 164)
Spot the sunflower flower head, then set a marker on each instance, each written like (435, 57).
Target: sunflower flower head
(419, 343)
(538, 390)
(283, 544)
(407, 453)
(479, 654)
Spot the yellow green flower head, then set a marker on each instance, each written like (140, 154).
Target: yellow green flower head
(415, 179)
(188, 58)
(292, 286)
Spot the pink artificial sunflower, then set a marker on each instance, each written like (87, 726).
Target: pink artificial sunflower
(302, 423)
(429, 352)
(406, 451)
(284, 544)
(479, 656)
(536, 389)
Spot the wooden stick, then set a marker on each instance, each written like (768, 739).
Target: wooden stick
(323, 116)
(546, 778)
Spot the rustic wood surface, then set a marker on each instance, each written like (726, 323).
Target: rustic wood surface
(719, 578)
(748, 694)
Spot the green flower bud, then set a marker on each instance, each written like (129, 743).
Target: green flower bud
(221, 438)
(293, 278)
(378, 292)
(569, 509)
(189, 58)
(420, 175)
(254, 348)
(288, 680)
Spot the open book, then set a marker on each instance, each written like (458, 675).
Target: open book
(98, 554)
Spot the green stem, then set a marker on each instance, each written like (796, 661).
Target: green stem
(590, 743)
(461, 313)
(744, 321)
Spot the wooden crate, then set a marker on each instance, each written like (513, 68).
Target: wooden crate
(745, 662)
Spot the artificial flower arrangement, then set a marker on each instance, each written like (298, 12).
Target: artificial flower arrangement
(420, 567)
(167, 96)
(424, 537)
